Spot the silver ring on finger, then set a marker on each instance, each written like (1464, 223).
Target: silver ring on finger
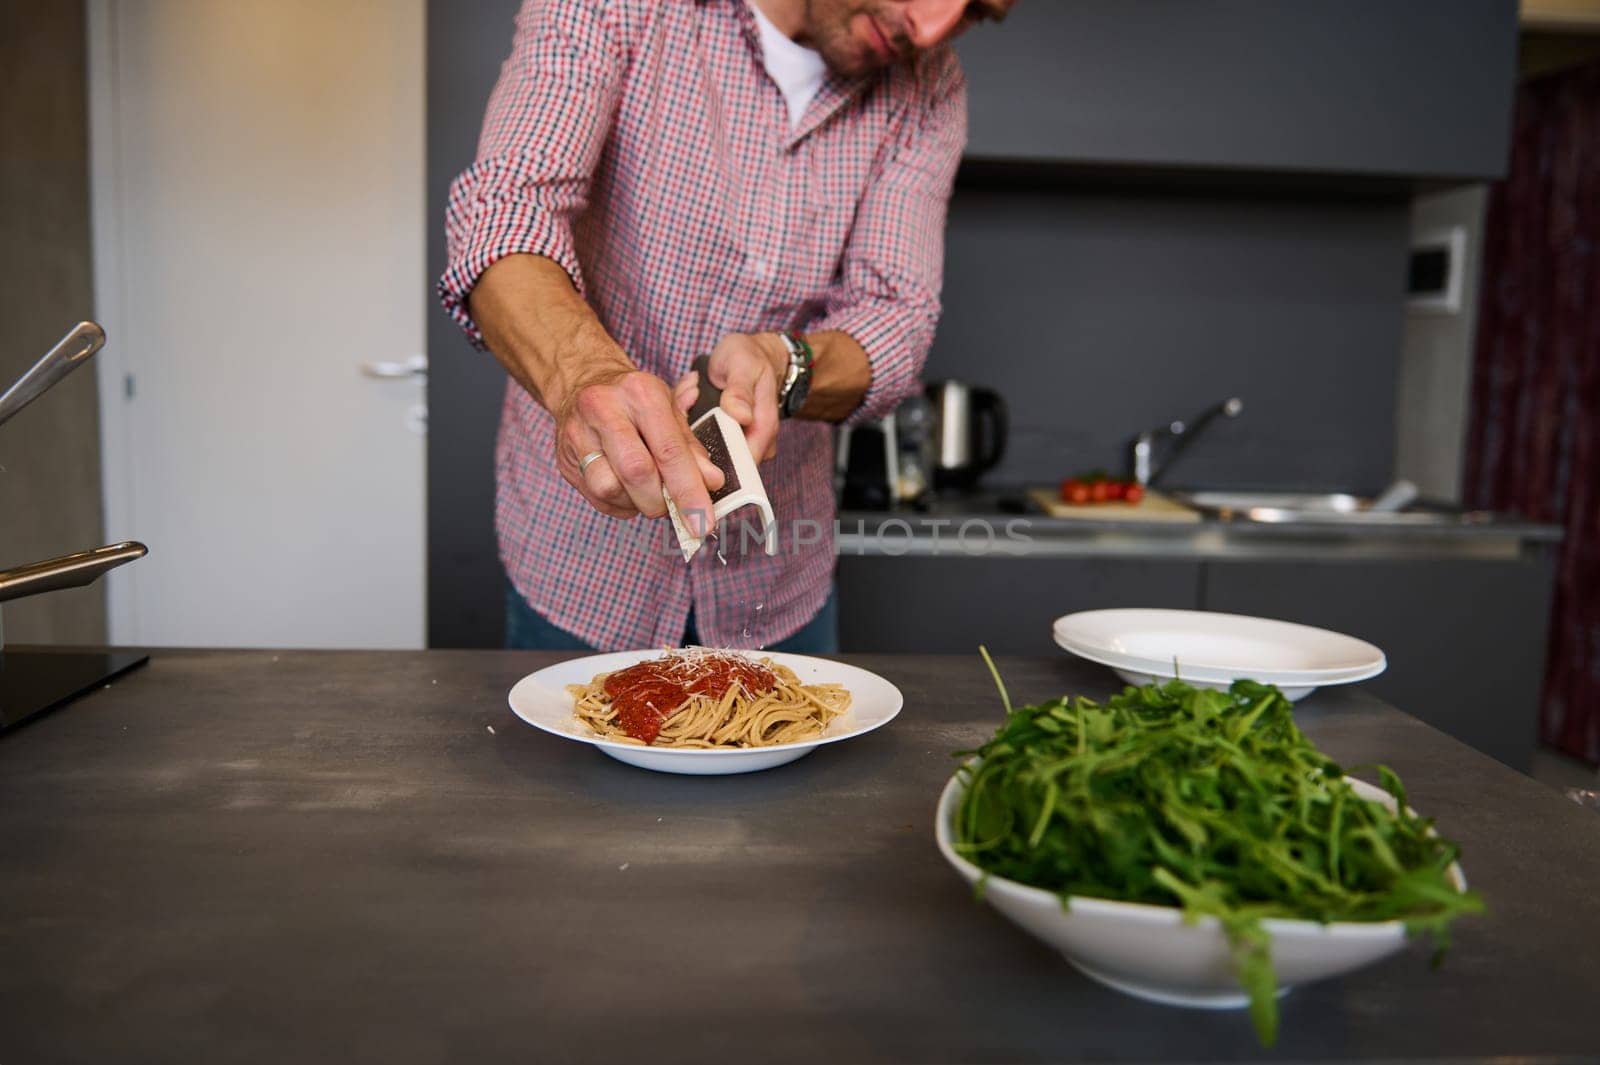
(584, 463)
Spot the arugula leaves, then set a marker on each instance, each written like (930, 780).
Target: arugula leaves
(1210, 801)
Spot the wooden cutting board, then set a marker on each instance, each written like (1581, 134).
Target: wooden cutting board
(1153, 507)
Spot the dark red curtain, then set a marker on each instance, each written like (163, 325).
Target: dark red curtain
(1534, 444)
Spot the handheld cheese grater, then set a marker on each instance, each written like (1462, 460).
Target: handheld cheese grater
(723, 438)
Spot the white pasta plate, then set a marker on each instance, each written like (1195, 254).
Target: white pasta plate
(542, 700)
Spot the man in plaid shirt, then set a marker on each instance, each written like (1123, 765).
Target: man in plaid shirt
(763, 180)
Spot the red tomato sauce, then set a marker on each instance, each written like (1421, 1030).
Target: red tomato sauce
(648, 693)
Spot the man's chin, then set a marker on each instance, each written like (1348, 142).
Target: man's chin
(856, 65)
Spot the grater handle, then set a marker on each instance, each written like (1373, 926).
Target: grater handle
(710, 396)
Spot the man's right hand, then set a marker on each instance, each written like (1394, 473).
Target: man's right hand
(552, 344)
(644, 442)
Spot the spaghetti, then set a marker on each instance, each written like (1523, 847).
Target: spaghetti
(700, 698)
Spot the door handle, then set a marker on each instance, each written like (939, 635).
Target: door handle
(415, 366)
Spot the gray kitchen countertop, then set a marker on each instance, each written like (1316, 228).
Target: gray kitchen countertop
(363, 856)
(976, 526)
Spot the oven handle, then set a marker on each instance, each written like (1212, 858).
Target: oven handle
(68, 571)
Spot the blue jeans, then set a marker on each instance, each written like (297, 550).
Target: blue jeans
(529, 630)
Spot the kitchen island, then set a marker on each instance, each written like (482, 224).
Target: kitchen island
(363, 856)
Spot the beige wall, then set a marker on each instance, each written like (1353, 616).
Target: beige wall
(1566, 15)
(50, 453)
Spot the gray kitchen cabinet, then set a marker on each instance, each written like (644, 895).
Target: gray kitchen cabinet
(1465, 639)
(1370, 87)
(466, 585)
(952, 604)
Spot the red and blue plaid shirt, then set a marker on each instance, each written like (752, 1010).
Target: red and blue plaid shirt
(641, 145)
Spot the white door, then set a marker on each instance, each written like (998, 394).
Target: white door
(257, 182)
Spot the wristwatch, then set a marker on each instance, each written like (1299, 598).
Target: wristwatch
(796, 383)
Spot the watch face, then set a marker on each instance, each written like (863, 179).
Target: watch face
(796, 397)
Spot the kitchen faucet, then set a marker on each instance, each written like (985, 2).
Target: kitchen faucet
(1182, 434)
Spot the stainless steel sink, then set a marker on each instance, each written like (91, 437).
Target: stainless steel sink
(1332, 508)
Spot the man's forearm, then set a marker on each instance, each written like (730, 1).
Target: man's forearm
(541, 330)
(552, 343)
(839, 377)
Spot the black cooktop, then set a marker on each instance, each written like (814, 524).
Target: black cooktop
(34, 681)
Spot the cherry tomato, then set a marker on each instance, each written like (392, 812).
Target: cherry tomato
(1133, 493)
(1077, 492)
(1115, 489)
(1069, 486)
(1099, 492)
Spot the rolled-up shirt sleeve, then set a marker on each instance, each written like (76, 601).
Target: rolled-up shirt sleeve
(886, 294)
(543, 134)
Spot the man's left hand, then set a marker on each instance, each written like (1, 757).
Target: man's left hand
(748, 367)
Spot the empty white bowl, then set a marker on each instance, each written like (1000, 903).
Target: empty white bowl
(1149, 951)
(1207, 649)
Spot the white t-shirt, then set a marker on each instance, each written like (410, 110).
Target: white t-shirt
(797, 69)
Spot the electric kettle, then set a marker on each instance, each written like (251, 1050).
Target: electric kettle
(969, 433)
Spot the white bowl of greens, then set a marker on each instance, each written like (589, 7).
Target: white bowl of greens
(1193, 848)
